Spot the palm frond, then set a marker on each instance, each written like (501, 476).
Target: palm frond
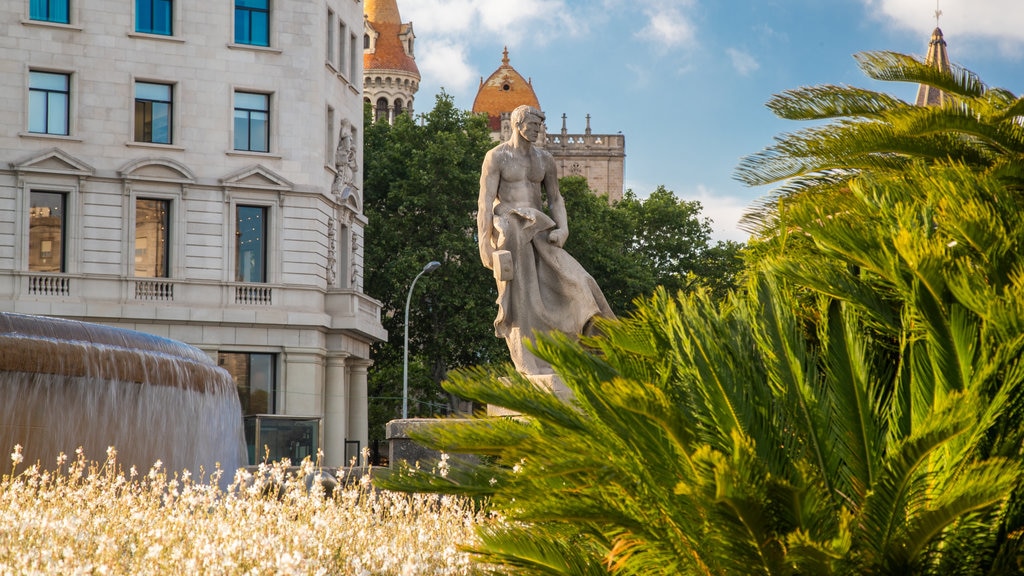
(829, 101)
(896, 67)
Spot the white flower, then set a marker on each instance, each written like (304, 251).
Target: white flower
(16, 456)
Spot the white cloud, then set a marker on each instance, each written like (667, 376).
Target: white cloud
(471, 20)
(446, 62)
(742, 62)
(725, 213)
(668, 24)
(996, 19)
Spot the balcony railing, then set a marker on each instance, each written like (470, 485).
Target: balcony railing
(157, 290)
(255, 295)
(49, 286)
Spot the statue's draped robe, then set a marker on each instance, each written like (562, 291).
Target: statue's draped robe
(549, 289)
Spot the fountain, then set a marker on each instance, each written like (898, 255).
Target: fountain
(68, 384)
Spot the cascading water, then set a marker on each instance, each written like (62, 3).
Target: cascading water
(67, 384)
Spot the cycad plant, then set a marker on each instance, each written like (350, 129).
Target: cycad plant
(852, 413)
(861, 131)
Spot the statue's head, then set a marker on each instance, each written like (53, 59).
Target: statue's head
(522, 118)
(522, 113)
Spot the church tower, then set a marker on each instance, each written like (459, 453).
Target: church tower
(599, 158)
(390, 75)
(936, 58)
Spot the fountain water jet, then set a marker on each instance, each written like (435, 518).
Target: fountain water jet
(67, 384)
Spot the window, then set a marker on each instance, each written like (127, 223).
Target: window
(329, 145)
(382, 109)
(152, 223)
(46, 226)
(252, 118)
(398, 107)
(252, 22)
(49, 11)
(153, 108)
(330, 35)
(154, 16)
(353, 53)
(49, 95)
(342, 45)
(251, 244)
(254, 379)
(366, 41)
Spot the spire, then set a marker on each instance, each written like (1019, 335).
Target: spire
(937, 58)
(504, 57)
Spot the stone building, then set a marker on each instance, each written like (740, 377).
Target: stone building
(390, 75)
(189, 169)
(600, 158)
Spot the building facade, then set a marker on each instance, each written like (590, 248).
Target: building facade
(189, 168)
(600, 158)
(390, 75)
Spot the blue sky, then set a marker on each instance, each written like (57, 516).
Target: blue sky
(686, 80)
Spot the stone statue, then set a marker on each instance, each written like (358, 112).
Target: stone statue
(540, 286)
(346, 166)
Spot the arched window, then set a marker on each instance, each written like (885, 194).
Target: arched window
(398, 107)
(366, 41)
(382, 109)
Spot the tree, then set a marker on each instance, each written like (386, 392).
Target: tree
(742, 438)
(855, 409)
(871, 132)
(421, 183)
(637, 244)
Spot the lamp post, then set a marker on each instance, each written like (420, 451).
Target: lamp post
(430, 267)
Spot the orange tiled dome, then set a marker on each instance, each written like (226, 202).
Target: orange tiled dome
(388, 54)
(503, 90)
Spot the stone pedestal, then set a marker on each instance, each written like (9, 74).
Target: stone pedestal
(547, 382)
(402, 447)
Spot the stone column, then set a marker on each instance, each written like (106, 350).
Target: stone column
(335, 411)
(358, 409)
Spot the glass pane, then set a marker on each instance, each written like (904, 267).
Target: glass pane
(250, 232)
(148, 91)
(46, 232)
(258, 136)
(241, 130)
(48, 81)
(59, 11)
(37, 112)
(259, 4)
(37, 10)
(151, 237)
(143, 15)
(161, 123)
(162, 17)
(241, 26)
(250, 101)
(254, 379)
(260, 29)
(143, 114)
(57, 114)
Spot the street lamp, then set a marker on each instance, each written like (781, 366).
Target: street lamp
(430, 267)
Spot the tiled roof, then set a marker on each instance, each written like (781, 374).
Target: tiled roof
(389, 54)
(503, 90)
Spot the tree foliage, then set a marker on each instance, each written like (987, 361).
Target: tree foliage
(421, 182)
(422, 185)
(863, 131)
(855, 409)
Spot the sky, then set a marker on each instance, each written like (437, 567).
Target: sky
(686, 81)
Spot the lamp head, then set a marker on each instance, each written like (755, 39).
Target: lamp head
(431, 266)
